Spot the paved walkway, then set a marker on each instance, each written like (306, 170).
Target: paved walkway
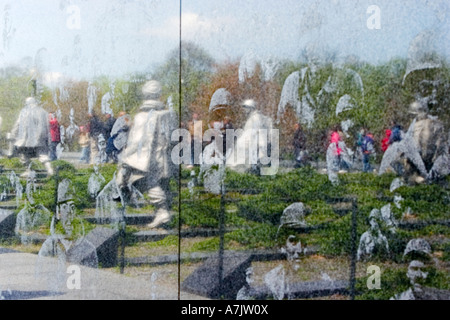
(27, 276)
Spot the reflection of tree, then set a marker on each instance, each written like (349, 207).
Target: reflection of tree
(196, 68)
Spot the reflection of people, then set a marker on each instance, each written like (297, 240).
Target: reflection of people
(299, 143)
(31, 134)
(368, 151)
(84, 142)
(119, 136)
(108, 125)
(196, 132)
(146, 161)
(397, 133)
(359, 141)
(95, 130)
(385, 140)
(55, 135)
(338, 158)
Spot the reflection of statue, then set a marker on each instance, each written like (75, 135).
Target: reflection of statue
(31, 134)
(72, 129)
(293, 216)
(32, 215)
(95, 182)
(60, 243)
(248, 66)
(101, 144)
(418, 246)
(419, 251)
(388, 218)
(146, 161)
(212, 168)
(212, 159)
(430, 140)
(92, 97)
(247, 292)
(279, 279)
(414, 274)
(63, 242)
(106, 103)
(425, 150)
(255, 138)
(372, 241)
(307, 90)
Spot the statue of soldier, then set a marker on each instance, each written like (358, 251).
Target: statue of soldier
(146, 162)
(31, 134)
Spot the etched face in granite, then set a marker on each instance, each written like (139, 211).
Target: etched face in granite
(67, 214)
(415, 273)
(293, 251)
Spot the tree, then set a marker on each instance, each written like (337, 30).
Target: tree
(196, 68)
(15, 87)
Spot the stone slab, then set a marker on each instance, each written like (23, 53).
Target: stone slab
(6, 250)
(156, 235)
(7, 223)
(204, 281)
(100, 242)
(26, 295)
(258, 255)
(305, 290)
(133, 219)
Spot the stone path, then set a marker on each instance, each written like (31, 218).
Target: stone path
(20, 278)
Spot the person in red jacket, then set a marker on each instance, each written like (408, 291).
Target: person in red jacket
(55, 135)
(385, 141)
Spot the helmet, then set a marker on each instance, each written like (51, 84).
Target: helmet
(249, 104)
(30, 101)
(152, 90)
(418, 245)
(219, 100)
(417, 108)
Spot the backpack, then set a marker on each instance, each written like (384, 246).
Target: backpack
(396, 134)
(110, 148)
(367, 146)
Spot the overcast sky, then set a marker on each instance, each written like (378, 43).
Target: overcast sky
(87, 38)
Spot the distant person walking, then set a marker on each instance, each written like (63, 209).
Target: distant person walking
(368, 150)
(55, 136)
(119, 136)
(299, 143)
(95, 130)
(84, 142)
(385, 140)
